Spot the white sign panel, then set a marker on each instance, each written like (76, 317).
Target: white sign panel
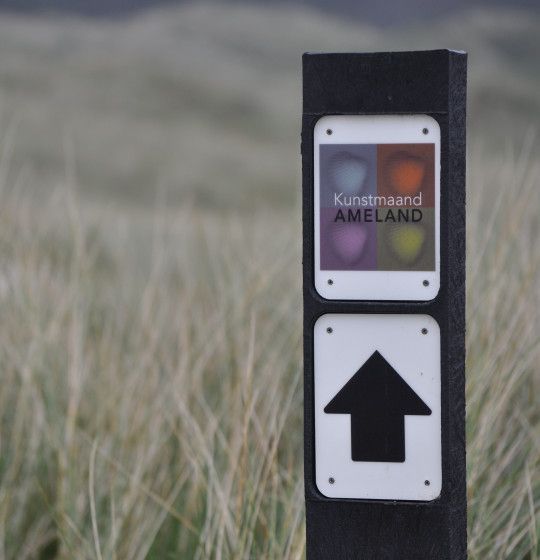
(377, 207)
(378, 407)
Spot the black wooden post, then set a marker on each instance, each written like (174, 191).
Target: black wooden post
(429, 83)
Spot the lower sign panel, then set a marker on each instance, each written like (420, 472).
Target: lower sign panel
(378, 407)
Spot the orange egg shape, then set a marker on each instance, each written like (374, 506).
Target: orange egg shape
(406, 174)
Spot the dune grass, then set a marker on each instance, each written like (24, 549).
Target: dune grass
(151, 405)
(503, 409)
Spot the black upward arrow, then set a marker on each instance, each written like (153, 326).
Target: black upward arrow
(377, 398)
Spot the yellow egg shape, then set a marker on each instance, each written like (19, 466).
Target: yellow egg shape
(407, 242)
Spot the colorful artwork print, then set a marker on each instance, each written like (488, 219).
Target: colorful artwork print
(377, 207)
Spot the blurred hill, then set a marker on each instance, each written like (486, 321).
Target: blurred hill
(203, 101)
(391, 12)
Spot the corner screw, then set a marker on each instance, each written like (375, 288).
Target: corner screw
(329, 330)
(329, 131)
(426, 482)
(424, 130)
(330, 281)
(424, 331)
(331, 480)
(426, 283)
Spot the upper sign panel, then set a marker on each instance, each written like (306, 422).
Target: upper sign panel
(377, 200)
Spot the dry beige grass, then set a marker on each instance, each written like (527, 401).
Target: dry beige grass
(503, 338)
(151, 397)
(150, 404)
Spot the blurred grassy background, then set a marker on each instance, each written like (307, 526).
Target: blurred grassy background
(203, 101)
(150, 404)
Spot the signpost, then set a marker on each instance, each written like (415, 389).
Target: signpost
(383, 150)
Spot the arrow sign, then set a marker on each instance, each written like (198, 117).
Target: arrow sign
(377, 399)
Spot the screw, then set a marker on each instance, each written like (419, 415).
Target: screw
(329, 131)
(329, 330)
(330, 281)
(331, 480)
(425, 130)
(424, 331)
(426, 482)
(426, 283)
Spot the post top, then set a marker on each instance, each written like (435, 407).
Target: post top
(379, 82)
